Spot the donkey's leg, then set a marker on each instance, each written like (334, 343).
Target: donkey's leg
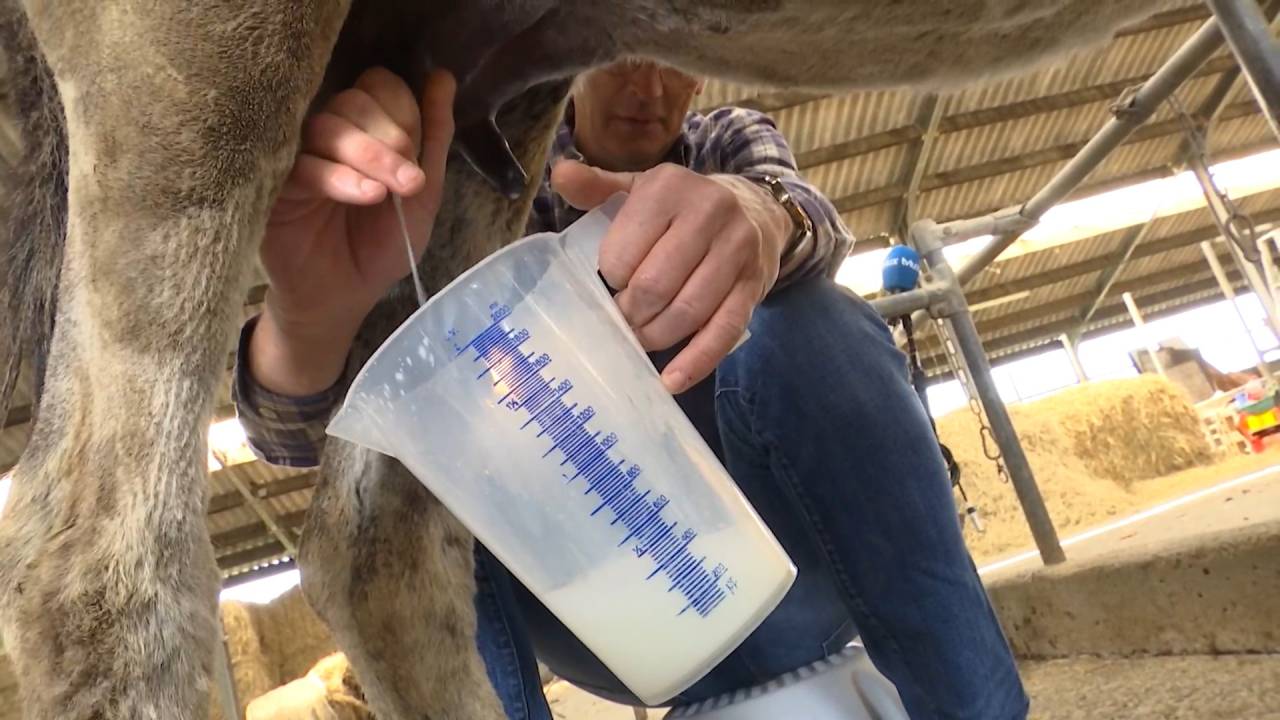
(383, 563)
(182, 119)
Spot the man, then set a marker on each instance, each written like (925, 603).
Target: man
(813, 416)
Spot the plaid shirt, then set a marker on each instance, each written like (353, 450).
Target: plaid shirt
(290, 431)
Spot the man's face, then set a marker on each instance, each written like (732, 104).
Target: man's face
(627, 115)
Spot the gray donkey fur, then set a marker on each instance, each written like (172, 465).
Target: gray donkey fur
(155, 136)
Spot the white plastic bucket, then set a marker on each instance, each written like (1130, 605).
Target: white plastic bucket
(521, 399)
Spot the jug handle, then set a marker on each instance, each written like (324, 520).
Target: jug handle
(581, 242)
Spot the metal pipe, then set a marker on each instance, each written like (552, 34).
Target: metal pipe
(1267, 258)
(1230, 294)
(1142, 330)
(1144, 102)
(1193, 53)
(1070, 346)
(1249, 35)
(224, 677)
(899, 304)
(929, 243)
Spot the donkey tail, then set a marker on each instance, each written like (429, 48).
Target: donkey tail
(33, 204)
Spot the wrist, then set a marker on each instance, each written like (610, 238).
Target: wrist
(776, 226)
(299, 356)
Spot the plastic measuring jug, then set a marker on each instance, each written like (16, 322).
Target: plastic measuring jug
(521, 399)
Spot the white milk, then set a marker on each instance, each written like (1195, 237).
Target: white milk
(640, 634)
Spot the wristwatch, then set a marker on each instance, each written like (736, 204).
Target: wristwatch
(800, 218)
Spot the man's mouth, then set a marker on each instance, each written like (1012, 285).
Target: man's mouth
(638, 120)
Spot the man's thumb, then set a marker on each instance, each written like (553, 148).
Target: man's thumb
(586, 187)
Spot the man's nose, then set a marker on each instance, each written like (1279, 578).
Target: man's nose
(646, 81)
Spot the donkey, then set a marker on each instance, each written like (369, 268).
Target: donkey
(156, 134)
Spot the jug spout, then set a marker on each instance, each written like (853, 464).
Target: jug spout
(354, 424)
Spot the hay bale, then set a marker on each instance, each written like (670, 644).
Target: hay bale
(293, 637)
(328, 691)
(272, 644)
(1126, 430)
(1090, 447)
(252, 671)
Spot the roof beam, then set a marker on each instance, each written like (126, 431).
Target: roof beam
(990, 116)
(1115, 312)
(1085, 267)
(283, 486)
(1026, 161)
(1132, 239)
(928, 115)
(259, 554)
(255, 531)
(773, 101)
(1073, 302)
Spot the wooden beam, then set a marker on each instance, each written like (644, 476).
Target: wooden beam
(274, 488)
(255, 531)
(858, 146)
(1073, 302)
(1066, 99)
(1119, 260)
(1111, 312)
(1019, 345)
(1085, 267)
(989, 116)
(1017, 163)
(774, 101)
(259, 554)
(928, 115)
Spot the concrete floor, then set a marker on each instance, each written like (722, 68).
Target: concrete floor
(1225, 687)
(1230, 687)
(1236, 502)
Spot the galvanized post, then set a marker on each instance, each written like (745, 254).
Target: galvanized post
(1142, 330)
(1229, 292)
(1069, 344)
(926, 235)
(225, 677)
(1249, 35)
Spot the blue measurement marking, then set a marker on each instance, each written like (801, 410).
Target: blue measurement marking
(612, 479)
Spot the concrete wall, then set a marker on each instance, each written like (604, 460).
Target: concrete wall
(1204, 594)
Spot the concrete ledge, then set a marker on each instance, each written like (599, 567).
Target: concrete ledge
(1204, 594)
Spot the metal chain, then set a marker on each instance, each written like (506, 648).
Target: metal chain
(989, 446)
(1238, 222)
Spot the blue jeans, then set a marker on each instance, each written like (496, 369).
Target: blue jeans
(815, 420)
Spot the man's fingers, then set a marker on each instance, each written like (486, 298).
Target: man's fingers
(585, 187)
(394, 97)
(664, 271)
(338, 140)
(713, 342)
(437, 129)
(363, 111)
(705, 291)
(314, 178)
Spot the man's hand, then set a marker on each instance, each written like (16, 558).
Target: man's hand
(691, 255)
(333, 244)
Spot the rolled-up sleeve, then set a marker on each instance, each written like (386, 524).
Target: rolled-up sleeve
(749, 144)
(282, 430)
